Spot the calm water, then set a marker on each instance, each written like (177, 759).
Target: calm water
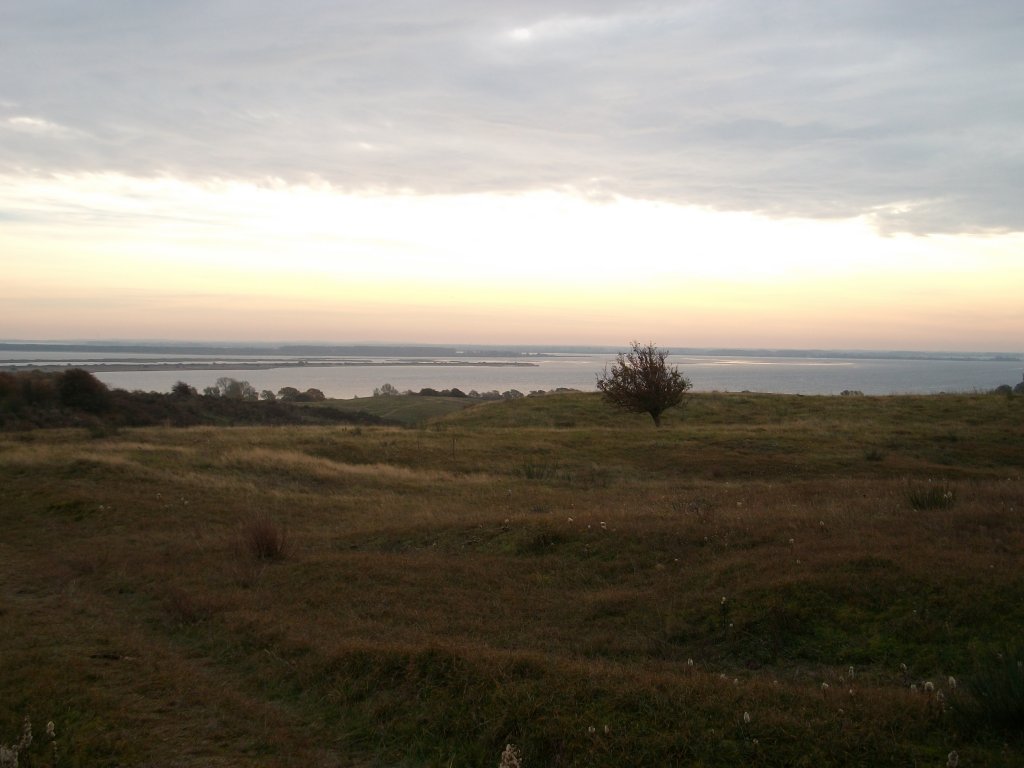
(793, 375)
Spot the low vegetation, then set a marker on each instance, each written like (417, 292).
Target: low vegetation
(542, 581)
(76, 398)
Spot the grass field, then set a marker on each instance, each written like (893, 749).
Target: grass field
(409, 411)
(765, 580)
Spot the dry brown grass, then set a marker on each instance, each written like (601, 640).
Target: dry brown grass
(436, 604)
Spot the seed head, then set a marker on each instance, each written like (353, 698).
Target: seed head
(26, 734)
(510, 758)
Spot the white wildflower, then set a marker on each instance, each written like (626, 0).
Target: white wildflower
(952, 683)
(26, 734)
(952, 759)
(929, 686)
(746, 718)
(510, 758)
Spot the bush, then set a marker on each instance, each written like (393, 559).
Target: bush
(183, 389)
(80, 390)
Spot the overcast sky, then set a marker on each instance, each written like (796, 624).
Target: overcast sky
(906, 115)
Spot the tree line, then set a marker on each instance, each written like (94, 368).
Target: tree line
(232, 389)
(388, 390)
(76, 398)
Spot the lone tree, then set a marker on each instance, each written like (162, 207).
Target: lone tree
(641, 381)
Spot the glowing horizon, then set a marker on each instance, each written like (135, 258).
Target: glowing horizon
(246, 262)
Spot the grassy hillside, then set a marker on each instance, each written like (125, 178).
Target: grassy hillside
(409, 410)
(765, 580)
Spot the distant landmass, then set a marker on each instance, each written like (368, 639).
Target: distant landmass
(458, 351)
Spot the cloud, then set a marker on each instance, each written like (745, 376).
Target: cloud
(910, 113)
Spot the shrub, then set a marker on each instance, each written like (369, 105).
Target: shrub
(82, 391)
(183, 389)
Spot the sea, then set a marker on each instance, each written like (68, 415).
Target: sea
(348, 376)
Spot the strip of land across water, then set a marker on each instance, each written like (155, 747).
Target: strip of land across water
(264, 366)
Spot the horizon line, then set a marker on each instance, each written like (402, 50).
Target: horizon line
(478, 346)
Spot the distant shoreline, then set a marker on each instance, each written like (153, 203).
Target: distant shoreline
(315, 354)
(242, 366)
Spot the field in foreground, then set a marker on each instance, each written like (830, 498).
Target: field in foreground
(766, 580)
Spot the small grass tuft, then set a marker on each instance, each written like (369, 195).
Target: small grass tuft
(930, 496)
(873, 454)
(995, 692)
(538, 470)
(265, 538)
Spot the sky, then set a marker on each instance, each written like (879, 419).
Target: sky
(697, 173)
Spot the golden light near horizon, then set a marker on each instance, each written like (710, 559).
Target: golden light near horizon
(547, 266)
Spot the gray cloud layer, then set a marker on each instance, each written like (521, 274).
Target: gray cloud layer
(911, 110)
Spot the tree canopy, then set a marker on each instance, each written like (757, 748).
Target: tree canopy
(642, 381)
